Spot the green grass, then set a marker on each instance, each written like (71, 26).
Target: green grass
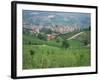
(39, 53)
(51, 57)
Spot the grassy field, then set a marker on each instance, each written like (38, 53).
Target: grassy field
(48, 56)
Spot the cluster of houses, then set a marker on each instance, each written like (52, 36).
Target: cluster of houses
(67, 28)
(58, 28)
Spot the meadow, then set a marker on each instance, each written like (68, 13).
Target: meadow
(49, 54)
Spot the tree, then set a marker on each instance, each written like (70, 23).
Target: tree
(59, 39)
(42, 36)
(46, 30)
(65, 44)
(32, 52)
(85, 38)
(89, 28)
(29, 43)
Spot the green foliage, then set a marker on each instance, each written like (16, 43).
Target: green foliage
(87, 29)
(59, 39)
(46, 31)
(42, 36)
(84, 38)
(65, 44)
(53, 57)
(32, 52)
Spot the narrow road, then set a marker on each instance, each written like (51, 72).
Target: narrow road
(75, 36)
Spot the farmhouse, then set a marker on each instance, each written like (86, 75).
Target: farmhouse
(51, 36)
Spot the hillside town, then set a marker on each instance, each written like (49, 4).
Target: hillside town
(57, 28)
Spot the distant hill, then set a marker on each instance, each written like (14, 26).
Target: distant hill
(51, 18)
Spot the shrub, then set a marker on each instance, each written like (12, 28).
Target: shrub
(59, 39)
(65, 44)
(32, 52)
(42, 36)
(29, 43)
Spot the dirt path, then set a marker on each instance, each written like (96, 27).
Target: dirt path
(75, 35)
